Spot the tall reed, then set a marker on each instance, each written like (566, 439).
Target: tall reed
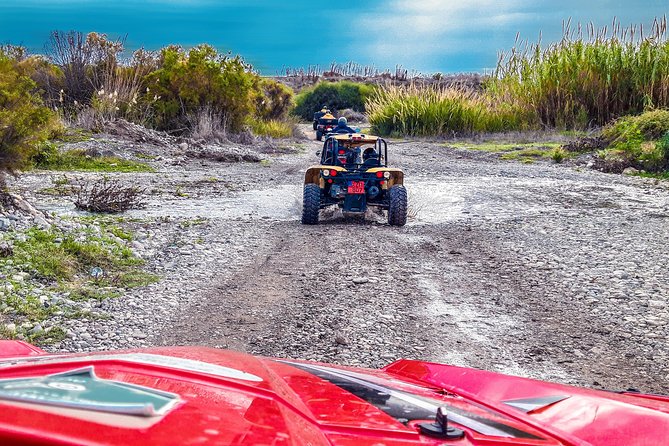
(588, 78)
(432, 110)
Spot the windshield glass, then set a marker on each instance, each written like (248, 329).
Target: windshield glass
(405, 407)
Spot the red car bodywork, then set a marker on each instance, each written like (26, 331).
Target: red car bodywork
(228, 397)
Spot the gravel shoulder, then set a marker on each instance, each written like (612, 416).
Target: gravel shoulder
(537, 270)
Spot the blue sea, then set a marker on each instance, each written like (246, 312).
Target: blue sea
(429, 36)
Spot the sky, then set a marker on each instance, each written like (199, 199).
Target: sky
(424, 36)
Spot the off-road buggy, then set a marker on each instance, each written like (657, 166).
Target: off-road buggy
(353, 174)
(326, 124)
(319, 114)
(195, 395)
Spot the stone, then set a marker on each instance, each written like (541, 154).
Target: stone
(360, 280)
(41, 222)
(24, 205)
(630, 171)
(5, 224)
(139, 334)
(37, 329)
(341, 340)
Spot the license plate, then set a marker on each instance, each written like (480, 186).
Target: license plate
(356, 187)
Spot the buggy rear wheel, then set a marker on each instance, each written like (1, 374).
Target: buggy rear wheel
(319, 136)
(311, 204)
(397, 206)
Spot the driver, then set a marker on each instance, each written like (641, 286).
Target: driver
(342, 127)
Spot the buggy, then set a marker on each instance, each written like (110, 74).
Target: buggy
(353, 174)
(325, 125)
(205, 396)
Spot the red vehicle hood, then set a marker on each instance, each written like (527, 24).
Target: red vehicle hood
(224, 397)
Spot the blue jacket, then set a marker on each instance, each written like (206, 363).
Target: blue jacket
(343, 129)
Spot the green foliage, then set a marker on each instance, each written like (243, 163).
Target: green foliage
(24, 121)
(273, 129)
(646, 126)
(48, 157)
(558, 154)
(274, 102)
(581, 82)
(429, 111)
(55, 263)
(52, 255)
(577, 83)
(187, 82)
(641, 141)
(336, 95)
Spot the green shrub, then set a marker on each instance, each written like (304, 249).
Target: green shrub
(187, 82)
(275, 100)
(558, 154)
(24, 120)
(647, 126)
(640, 140)
(336, 95)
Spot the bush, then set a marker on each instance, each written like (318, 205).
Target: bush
(187, 82)
(24, 120)
(558, 154)
(107, 196)
(274, 102)
(336, 95)
(650, 125)
(639, 141)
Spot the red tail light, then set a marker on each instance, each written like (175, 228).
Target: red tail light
(379, 174)
(341, 152)
(333, 173)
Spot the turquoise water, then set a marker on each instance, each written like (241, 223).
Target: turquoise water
(426, 36)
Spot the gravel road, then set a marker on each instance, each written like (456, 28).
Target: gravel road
(537, 270)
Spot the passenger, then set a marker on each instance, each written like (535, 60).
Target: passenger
(342, 127)
(369, 154)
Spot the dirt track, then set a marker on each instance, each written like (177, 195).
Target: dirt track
(537, 270)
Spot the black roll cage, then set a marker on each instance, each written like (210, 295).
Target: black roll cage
(331, 147)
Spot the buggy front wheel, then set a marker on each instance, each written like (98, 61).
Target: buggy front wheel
(311, 204)
(397, 206)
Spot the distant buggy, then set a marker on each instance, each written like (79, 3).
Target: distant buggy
(353, 174)
(326, 124)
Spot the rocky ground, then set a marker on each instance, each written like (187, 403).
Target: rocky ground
(540, 270)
